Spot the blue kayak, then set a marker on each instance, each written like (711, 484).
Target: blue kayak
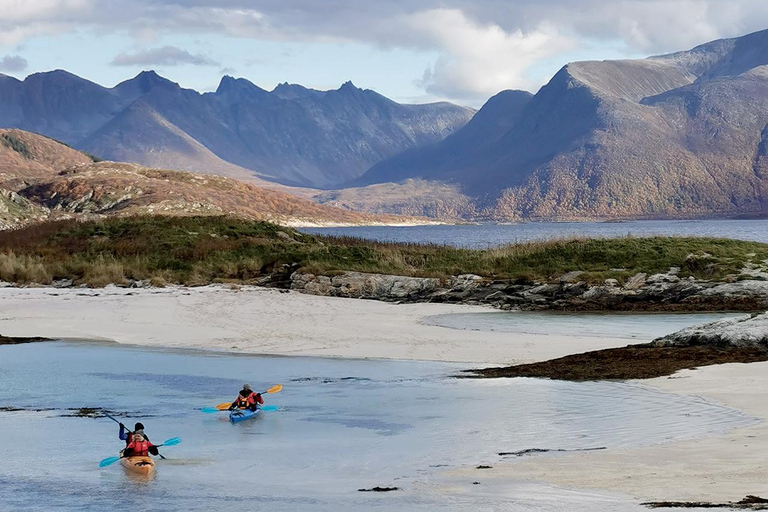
(243, 414)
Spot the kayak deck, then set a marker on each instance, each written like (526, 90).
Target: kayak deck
(138, 464)
(239, 415)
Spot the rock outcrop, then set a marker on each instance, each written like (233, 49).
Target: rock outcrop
(360, 285)
(660, 292)
(749, 331)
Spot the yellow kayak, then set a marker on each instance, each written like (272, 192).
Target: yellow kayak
(138, 465)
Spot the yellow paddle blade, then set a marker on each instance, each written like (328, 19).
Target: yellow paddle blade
(224, 406)
(275, 389)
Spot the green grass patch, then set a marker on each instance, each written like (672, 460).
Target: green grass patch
(200, 250)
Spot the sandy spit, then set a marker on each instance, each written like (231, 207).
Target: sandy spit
(267, 321)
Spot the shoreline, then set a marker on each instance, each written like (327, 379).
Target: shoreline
(255, 320)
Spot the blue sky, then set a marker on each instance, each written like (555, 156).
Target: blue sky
(411, 51)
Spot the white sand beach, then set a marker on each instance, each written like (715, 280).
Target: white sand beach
(267, 321)
(264, 321)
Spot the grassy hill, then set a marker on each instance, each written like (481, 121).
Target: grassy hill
(199, 250)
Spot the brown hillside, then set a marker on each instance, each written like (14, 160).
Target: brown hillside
(118, 189)
(26, 158)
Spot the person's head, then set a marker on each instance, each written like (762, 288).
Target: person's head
(138, 426)
(138, 438)
(247, 387)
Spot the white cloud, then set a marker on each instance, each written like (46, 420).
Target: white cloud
(481, 60)
(163, 56)
(484, 45)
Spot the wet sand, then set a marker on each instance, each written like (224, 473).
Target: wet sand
(716, 470)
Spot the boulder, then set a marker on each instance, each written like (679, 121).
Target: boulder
(604, 296)
(745, 331)
(362, 285)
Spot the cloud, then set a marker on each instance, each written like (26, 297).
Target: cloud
(483, 45)
(163, 56)
(480, 60)
(13, 63)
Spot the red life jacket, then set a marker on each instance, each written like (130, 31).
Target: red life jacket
(244, 402)
(140, 448)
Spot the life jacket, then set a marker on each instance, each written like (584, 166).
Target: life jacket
(244, 402)
(140, 448)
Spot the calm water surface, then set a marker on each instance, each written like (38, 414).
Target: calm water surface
(343, 425)
(488, 235)
(635, 327)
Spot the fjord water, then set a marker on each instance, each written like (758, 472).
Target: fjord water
(482, 236)
(343, 425)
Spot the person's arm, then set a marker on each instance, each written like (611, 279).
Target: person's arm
(234, 404)
(123, 434)
(259, 399)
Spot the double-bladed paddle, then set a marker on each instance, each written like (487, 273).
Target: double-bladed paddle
(224, 406)
(131, 432)
(111, 460)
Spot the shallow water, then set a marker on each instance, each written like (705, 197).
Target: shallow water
(481, 236)
(634, 327)
(343, 425)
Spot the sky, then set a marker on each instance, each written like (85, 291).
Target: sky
(412, 51)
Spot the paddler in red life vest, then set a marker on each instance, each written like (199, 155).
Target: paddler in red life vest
(139, 447)
(127, 435)
(247, 399)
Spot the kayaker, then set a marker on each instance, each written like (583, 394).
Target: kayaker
(127, 436)
(139, 447)
(247, 399)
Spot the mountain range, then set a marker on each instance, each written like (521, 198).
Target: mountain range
(291, 135)
(682, 135)
(678, 135)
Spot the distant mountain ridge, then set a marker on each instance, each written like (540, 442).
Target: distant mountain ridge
(292, 135)
(671, 136)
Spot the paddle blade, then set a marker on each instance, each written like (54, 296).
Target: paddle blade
(210, 410)
(108, 461)
(172, 441)
(269, 408)
(274, 389)
(223, 406)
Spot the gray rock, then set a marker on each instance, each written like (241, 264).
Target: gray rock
(636, 282)
(612, 283)
(743, 331)
(604, 296)
(362, 285)
(663, 278)
(63, 283)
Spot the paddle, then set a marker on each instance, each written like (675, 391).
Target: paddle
(225, 405)
(213, 410)
(111, 460)
(130, 432)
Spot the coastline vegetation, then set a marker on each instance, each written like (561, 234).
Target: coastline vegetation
(202, 250)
